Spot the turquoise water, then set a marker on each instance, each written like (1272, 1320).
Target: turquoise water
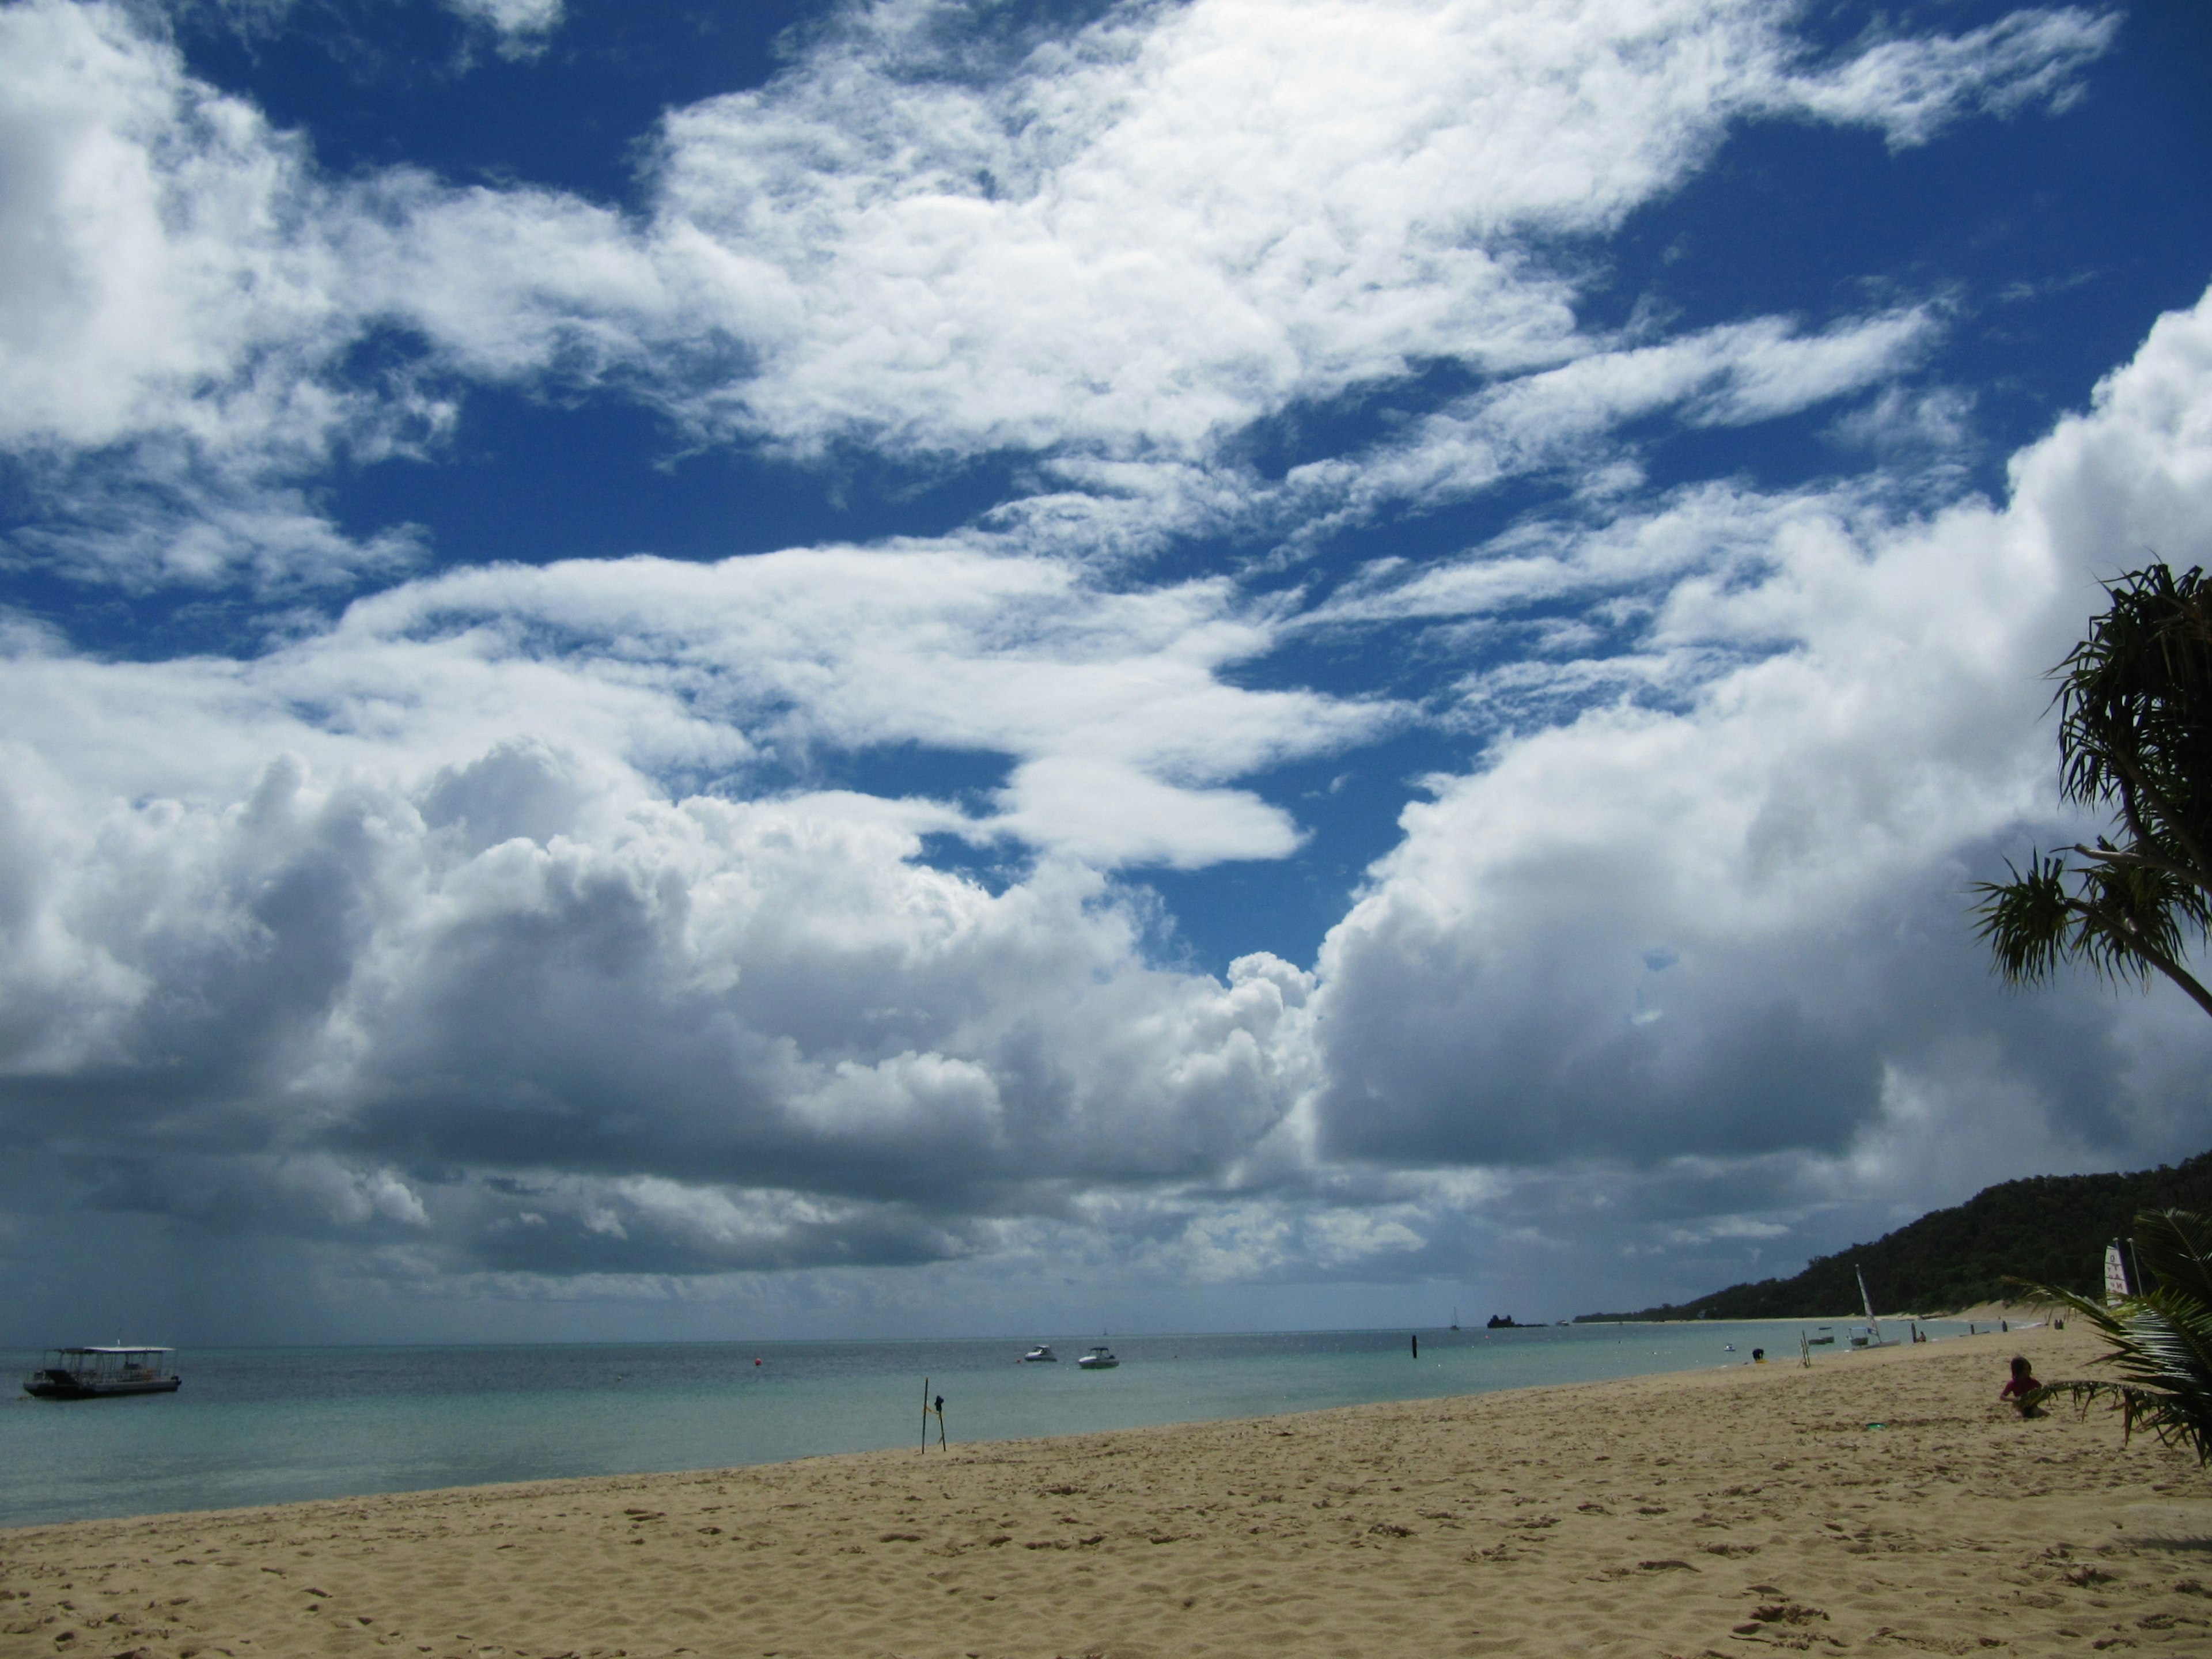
(274, 1425)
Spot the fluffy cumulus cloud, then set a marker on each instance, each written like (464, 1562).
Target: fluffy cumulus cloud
(1732, 925)
(511, 930)
(454, 924)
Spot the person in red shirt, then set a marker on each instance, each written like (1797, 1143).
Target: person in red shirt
(2023, 1388)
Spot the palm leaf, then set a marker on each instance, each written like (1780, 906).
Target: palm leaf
(2160, 1338)
(2135, 738)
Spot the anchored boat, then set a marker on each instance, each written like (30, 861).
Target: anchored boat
(1099, 1359)
(1872, 1336)
(95, 1373)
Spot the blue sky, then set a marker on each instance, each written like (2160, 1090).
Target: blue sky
(697, 670)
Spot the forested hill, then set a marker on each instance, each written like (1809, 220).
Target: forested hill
(2050, 1229)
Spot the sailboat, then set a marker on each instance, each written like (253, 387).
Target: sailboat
(2115, 1274)
(1873, 1339)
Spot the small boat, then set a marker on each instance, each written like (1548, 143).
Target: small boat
(1871, 1337)
(1100, 1359)
(1826, 1339)
(1041, 1354)
(96, 1373)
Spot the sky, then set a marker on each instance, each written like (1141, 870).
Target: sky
(740, 671)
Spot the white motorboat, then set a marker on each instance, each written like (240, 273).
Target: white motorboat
(99, 1373)
(1041, 1354)
(1100, 1359)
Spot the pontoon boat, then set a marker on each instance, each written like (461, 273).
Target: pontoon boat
(95, 1373)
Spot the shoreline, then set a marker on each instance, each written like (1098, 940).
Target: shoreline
(249, 1432)
(553, 1484)
(1880, 1497)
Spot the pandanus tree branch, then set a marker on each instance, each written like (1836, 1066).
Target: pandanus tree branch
(2146, 861)
(2135, 738)
(2118, 919)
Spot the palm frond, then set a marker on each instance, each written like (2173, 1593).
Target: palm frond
(2135, 738)
(2160, 1338)
(2136, 711)
(2029, 921)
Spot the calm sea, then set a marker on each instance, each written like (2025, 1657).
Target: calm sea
(274, 1425)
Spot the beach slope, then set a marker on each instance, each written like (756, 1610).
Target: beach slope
(1878, 1503)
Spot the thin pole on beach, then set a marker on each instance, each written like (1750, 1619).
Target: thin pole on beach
(928, 1412)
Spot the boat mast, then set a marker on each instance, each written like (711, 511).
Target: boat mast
(1874, 1325)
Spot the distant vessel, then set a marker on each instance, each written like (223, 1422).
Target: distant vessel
(1043, 1352)
(1827, 1340)
(1100, 1359)
(95, 1373)
(1873, 1339)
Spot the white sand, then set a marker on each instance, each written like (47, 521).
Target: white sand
(1711, 1513)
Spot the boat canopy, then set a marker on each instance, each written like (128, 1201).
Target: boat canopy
(116, 1351)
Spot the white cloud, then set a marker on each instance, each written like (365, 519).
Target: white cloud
(1116, 247)
(174, 314)
(1182, 220)
(154, 272)
(520, 19)
(1112, 706)
(1854, 730)
(1731, 375)
(1912, 88)
(733, 997)
(461, 923)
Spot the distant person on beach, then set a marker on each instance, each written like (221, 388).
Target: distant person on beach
(2022, 1389)
(1759, 1356)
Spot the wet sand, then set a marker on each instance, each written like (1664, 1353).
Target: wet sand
(1880, 1502)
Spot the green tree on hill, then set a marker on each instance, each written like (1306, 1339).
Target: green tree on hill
(2135, 739)
(2052, 1229)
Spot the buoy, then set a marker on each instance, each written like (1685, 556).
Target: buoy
(756, 1362)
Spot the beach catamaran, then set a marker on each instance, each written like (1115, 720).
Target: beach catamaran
(96, 1373)
(1873, 1339)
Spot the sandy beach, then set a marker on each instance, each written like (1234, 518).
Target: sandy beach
(1880, 1501)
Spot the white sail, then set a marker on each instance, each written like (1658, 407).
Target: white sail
(1874, 1326)
(2115, 1274)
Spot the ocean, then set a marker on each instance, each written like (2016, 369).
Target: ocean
(277, 1425)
